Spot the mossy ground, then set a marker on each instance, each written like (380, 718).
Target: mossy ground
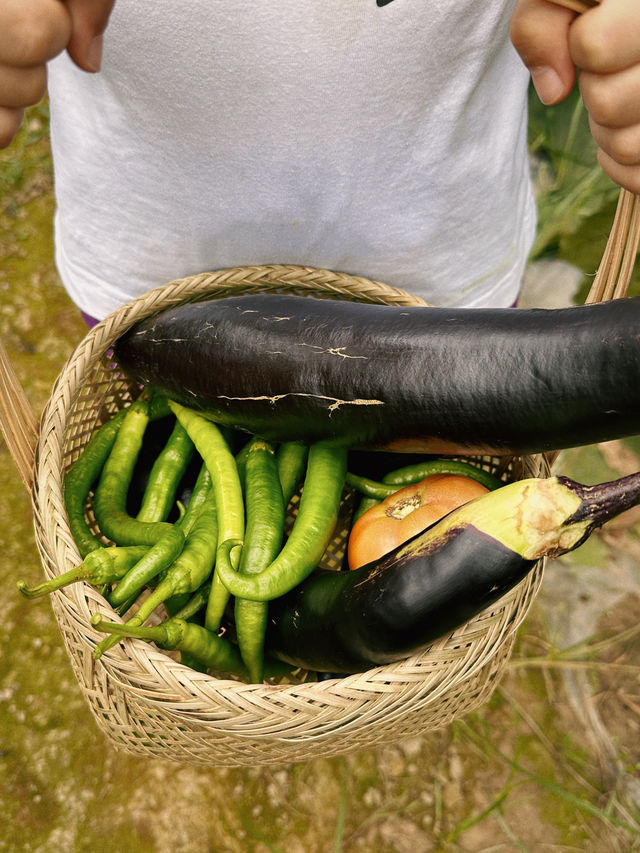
(549, 764)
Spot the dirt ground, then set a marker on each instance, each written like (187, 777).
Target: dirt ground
(550, 763)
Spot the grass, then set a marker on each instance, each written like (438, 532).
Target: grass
(27, 158)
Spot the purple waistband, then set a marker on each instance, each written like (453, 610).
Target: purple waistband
(90, 321)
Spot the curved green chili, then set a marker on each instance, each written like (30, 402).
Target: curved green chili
(309, 537)
(415, 473)
(186, 574)
(101, 566)
(196, 501)
(158, 405)
(192, 567)
(216, 652)
(110, 498)
(80, 479)
(195, 603)
(221, 464)
(165, 475)
(241, 461)
(364, 505)
(369, 488)
(291, 458)
(85, 471)
(165, 540)
(411, 474)
(187, 520)
(262, 541)
(211, 650)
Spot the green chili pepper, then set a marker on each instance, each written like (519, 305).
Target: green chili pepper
(165, 540)
(80, 479)
(241, 461)
(411, 474)
(291, 457)
(84, 473)
(262, 542)
(198, 498)
(221, 464)
(364, 505)
(195, 603)
(309, 537)
(175, 606)
(192, 567)
(165, 475)
(115, 479)
(415, 473)
(211, 650)
(99, 567)
(158, 405)
(216, 652)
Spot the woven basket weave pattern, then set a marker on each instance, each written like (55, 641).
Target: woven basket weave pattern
(145, 700)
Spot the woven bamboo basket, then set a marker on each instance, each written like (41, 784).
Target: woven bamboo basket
(148, 703)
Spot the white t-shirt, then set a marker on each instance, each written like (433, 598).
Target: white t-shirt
(385, 141)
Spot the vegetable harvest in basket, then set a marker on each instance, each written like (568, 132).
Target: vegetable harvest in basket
(241, 593)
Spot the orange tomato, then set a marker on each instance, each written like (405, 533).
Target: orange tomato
(407, 512)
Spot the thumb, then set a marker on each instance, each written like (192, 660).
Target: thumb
(540, 34)
(89, 20)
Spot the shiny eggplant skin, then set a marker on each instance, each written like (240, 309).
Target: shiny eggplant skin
(404, 378)
(345, 622)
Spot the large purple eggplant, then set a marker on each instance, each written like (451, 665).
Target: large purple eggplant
(406, 378)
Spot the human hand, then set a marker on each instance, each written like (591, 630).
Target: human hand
(604, 44)
(31, 33)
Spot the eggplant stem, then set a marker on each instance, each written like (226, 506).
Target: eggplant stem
(603, 501)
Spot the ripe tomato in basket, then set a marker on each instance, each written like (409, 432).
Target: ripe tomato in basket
(405, 513)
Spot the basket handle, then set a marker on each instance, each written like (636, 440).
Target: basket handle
(18, 423)
(619, 257)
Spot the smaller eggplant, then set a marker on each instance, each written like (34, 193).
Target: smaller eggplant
(346, 622)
